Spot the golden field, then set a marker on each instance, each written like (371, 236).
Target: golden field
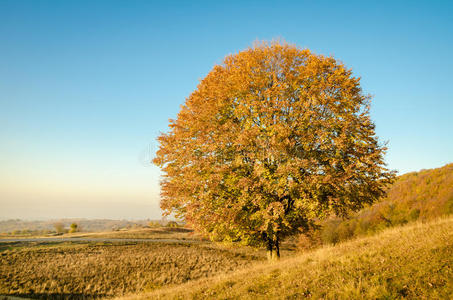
(413, 262)
(92, 270)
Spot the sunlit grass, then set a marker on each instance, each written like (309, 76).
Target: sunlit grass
(415, 261)
(81, 270)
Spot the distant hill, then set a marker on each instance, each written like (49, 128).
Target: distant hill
(427, 194)
(422, 195)
(22, 226)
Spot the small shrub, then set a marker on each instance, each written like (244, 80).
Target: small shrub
(308, 240)
(329, 232)
(345, 231)
(414, 214)
(74, 228)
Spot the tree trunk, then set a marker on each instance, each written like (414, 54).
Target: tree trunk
(277, 248)
(273, 249)
(270, 249)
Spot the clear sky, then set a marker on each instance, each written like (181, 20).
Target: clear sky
(86, 87)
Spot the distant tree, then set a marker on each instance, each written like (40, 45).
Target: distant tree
(74, 228)
(271, 140)
(172, 224)
(154, 224)
(59, 227)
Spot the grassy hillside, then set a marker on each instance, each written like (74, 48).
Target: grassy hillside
(423, 195)
(414, 261)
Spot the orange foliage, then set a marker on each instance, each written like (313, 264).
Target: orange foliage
(271, 140)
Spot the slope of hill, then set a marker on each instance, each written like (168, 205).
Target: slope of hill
(423, 195)
(414, 261)
(427, 193)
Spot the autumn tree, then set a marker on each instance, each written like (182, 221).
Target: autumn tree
(271, 140)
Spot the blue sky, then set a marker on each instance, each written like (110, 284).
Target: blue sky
(86, 86)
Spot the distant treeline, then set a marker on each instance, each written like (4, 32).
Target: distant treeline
(18, 226)
(423, 195)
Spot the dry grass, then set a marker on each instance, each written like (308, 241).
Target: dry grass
(137, 233)
(71, 270)
(413, 262)
(141, 233)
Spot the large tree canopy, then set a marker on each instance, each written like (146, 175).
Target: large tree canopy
(271, 140)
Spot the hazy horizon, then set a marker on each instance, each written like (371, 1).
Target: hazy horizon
(87, 86)
(51, 210)
(101, 210)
